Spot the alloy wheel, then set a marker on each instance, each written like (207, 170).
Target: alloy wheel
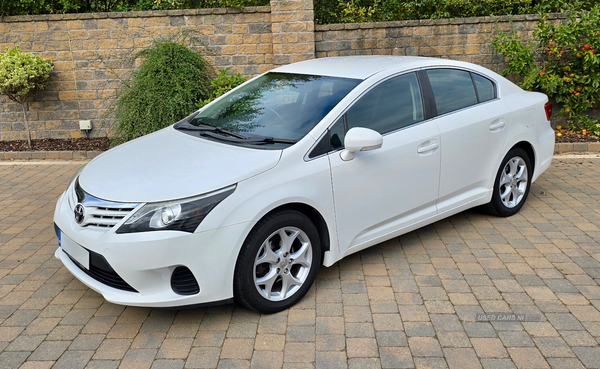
(513, 182)
(282, 263)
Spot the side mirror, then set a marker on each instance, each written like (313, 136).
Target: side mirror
(360, 139)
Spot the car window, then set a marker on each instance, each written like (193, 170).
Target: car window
(286, 95)
(393, 104)
(337, 133)
(279, 105)
(452, 89)
(485, 88)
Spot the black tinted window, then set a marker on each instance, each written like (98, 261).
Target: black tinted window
(452, 89)
(337, 134)
(485, 88)
(391, 105)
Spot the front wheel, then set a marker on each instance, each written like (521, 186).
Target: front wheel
(512, 184)
(278, 262)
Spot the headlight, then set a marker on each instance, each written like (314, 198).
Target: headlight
(177, 215)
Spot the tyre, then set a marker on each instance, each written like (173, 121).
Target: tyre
(278, 262)
(512, 184)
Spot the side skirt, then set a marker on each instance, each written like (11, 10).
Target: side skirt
(331, 258)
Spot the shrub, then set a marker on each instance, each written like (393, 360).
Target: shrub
(222, 83)
(21, 75)
(567, 66)
(171, 81)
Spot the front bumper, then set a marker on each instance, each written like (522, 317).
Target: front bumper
(147, 260)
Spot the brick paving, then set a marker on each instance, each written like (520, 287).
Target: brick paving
(408, 302)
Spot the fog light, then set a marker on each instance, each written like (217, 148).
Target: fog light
(183, 281)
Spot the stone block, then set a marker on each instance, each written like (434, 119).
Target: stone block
(580, 146)
(564, 147)
(65, 154)
(24, 155)
(593, 146)
(79, 155)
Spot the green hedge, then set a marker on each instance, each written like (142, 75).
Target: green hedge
(326, 11)
(30, 7)
(352, 11)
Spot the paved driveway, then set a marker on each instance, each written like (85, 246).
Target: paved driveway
(409, 302)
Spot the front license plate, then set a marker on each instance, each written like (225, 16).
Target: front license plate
(75, 250)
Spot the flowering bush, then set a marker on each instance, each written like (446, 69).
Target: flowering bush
(563, 63)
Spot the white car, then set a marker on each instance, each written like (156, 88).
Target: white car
(298, 167)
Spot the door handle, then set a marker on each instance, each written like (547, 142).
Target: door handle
(497, 125)
(423, 149)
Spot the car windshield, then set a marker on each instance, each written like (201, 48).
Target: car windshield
(282, 106)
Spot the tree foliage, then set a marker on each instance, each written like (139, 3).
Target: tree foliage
(222, 83)
(22, 74)
(171, 81)
(351, 11)
(29, 7)
(563, 62)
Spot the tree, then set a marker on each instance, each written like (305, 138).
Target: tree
(21, 75)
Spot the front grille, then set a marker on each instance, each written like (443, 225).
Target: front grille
(104, 217)
(183, 282)
(99, 214)
(101, 271)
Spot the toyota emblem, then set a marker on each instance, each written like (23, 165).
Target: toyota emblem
(79, 213)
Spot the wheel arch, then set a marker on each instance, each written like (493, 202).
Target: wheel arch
(314, 216)
(528, 147)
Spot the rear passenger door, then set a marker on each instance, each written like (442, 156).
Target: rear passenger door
(473, 126)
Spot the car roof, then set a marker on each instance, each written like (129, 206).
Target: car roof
(360, 67)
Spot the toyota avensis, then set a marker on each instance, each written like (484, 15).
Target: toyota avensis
(298, 167)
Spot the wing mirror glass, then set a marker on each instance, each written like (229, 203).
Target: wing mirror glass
(360, 139)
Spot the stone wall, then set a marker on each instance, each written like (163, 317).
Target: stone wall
(89, 52)
(463, 39)
(293, 31)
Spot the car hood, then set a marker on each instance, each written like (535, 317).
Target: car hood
(168, 165)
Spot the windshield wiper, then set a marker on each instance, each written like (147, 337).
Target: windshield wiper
(274, 140)
(248, 140)
(207, 128)
(222, 134)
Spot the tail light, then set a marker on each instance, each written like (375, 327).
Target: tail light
(548, 110)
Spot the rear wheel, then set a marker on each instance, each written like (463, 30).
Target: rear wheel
(512, 184)
(278, 262)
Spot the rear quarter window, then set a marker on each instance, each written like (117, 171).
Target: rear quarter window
(485, 88)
